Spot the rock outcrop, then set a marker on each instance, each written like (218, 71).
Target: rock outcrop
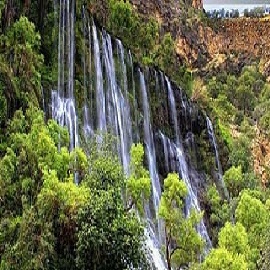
(197, 4)
(249, 37)
(261, 156)
(202, 42)
(198, 43)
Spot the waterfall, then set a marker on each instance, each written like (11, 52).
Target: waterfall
(191, 199)
(154, 250)
(63, 101)
(87, 82)
(115, 98)
(119, 118)
(114, 113)
(151, 153)
(212, 138)
(100, 98)
(176, 153)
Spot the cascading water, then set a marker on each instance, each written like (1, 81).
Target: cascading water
(150, 152)
(63, 102)
(118, 107)
(87, 84)
(153, 243)
(191, 200)
(213, 142)
(100, 96)
(109, 104)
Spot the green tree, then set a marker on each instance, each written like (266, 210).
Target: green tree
(264, 262)
(38, 195)
(199, 93)
(245, 98)
(165, 53)
(109, 236)
(215, 87)
(3, 106)
(250, 85)
(234, 180)
(46, 237)
(232, 252)
(265, 93)
(182, 244)
(222, 259)
(223, 108)
(20, 65)
(261, 112)
(45, 218)
(219, 211)
(2, 5)
(123, 20)
(231, 85)
(252, 213)
(234, 238)
(138, 182)
(240, 154)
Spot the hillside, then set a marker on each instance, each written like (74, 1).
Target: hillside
(134, 135)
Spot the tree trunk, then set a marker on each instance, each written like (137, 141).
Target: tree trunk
(41, 14)
(26, 6)
(168, 255)
(8, 15)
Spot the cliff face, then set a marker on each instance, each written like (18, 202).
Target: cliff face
(165, 11)
(198, 43)
(249, 37)
(197, 4)
(261, 157)
(228, 43)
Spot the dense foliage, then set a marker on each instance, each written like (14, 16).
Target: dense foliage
(150, 43)
(238, 102)
(183, 245)
(48, 222)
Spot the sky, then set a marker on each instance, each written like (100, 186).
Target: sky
(236, 2)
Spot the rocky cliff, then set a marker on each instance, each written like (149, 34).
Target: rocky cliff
(199, 42)
(203, 43)
(261, 156)
(197, 4)
(247, 37)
